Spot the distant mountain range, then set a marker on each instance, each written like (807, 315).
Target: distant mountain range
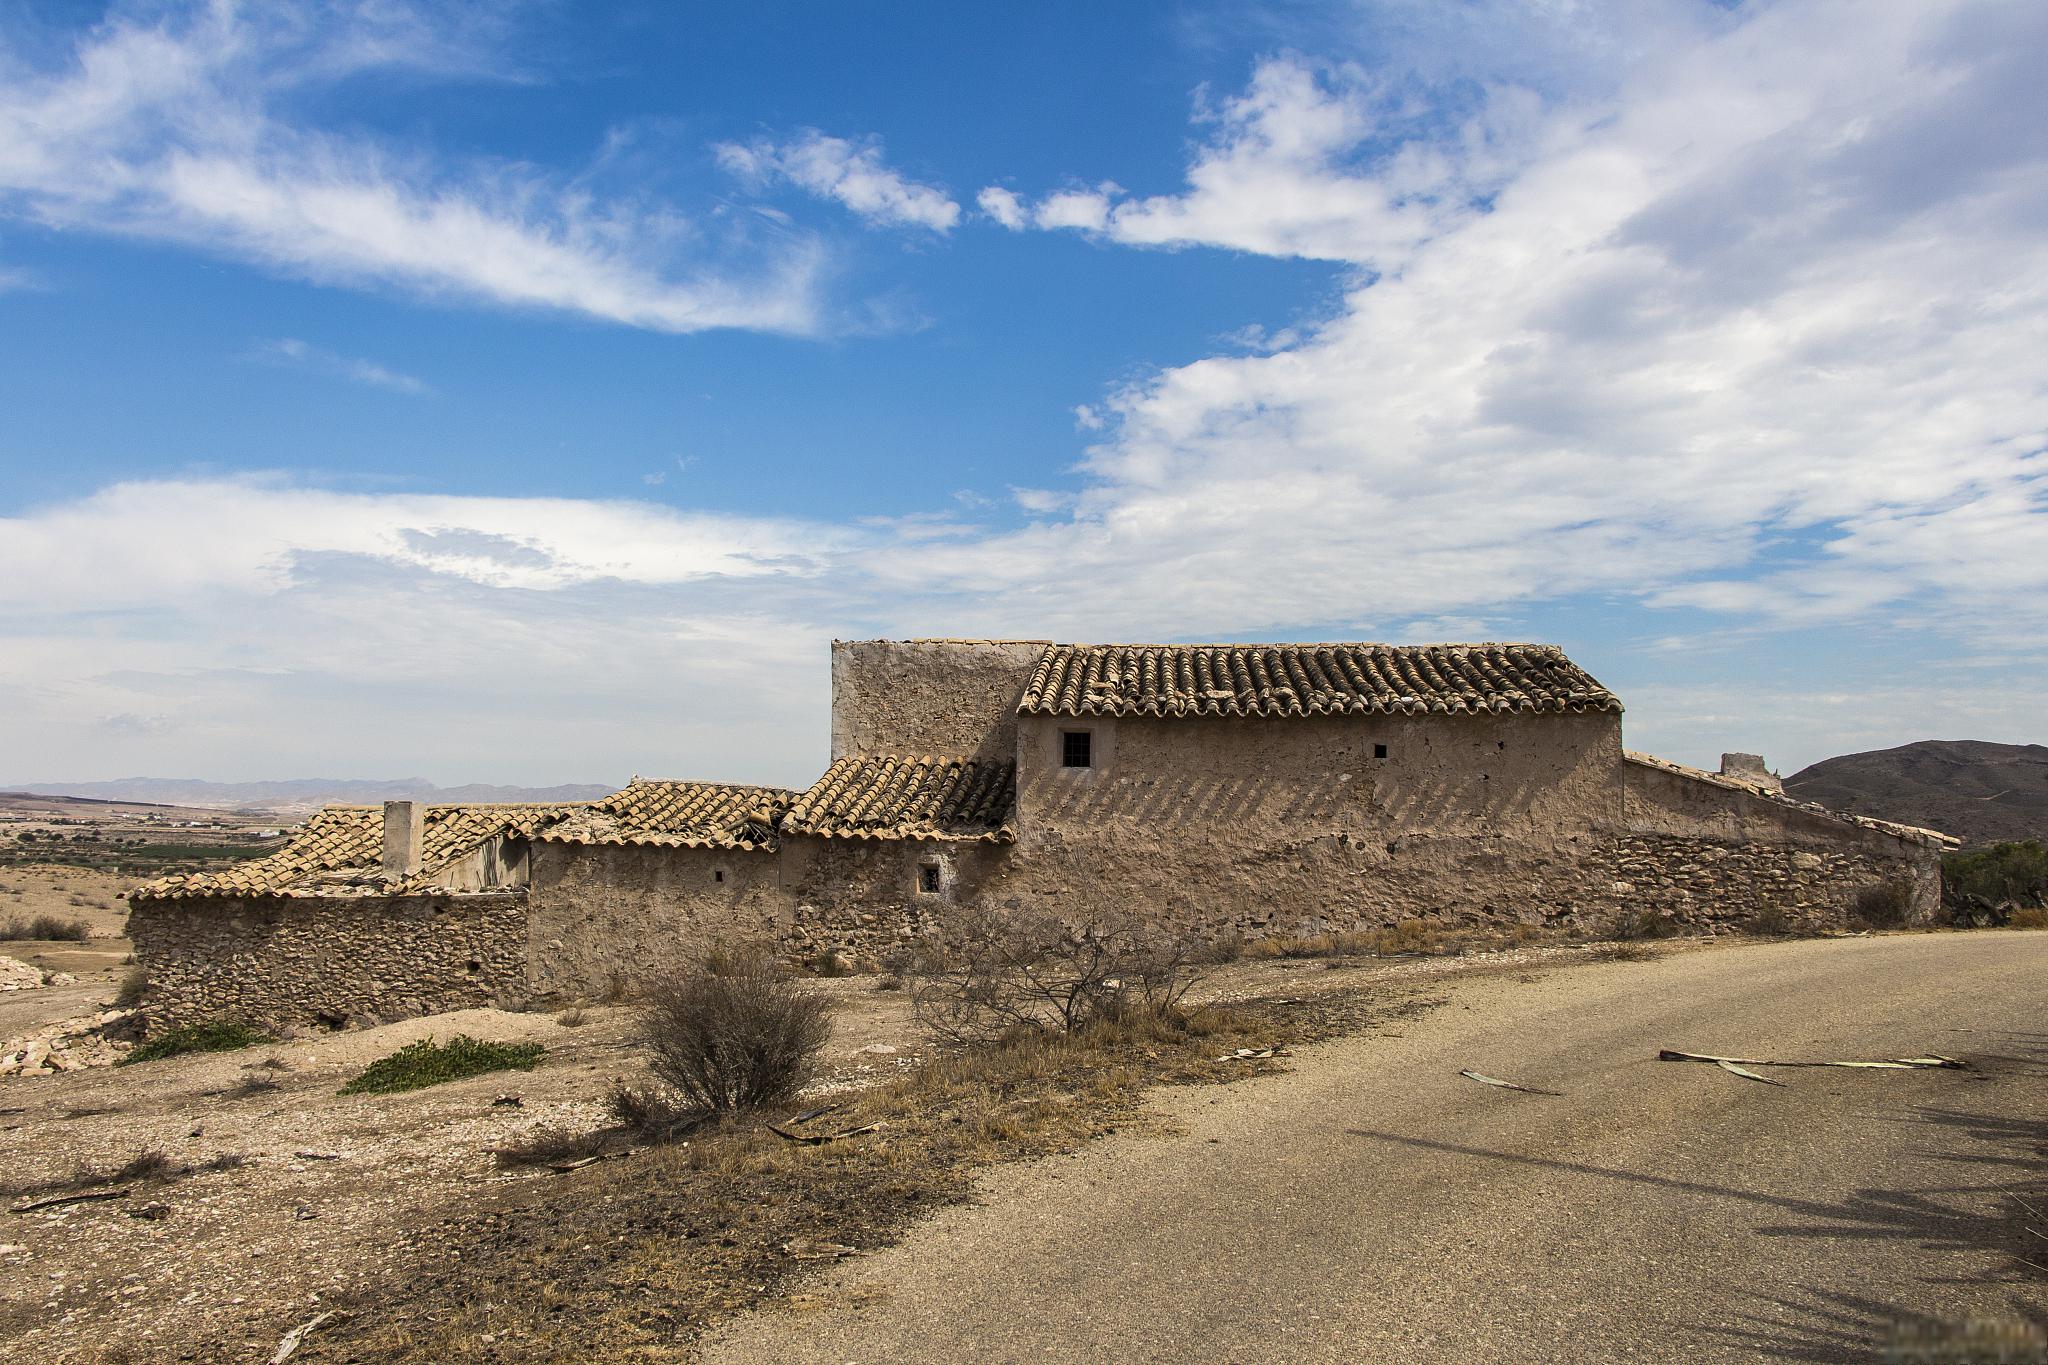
(1980, 792)
(297, 795)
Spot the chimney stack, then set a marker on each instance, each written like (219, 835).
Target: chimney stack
(402, 822)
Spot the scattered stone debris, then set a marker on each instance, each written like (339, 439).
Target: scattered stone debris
(16, 975)
(73, 1045)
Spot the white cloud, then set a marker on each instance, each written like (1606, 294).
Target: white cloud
(175, 131)
(290, 351)
(1002, 205)
(1752, 329)
(852, 173)
(1742, 341)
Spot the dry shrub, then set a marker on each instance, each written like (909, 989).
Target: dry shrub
(1771, 921)
(1884, 905)
(1635, 923)
(985, 972)
(572, 1017)
(732, 1031)
(552, 1147)
(2029, 919)
(134, 986)
(46, 928)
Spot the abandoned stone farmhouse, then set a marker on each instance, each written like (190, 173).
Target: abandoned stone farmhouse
(1249, 790)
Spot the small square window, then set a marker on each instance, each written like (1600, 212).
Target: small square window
(1379, 751)
(718, 875)
(1077, 749)
(928, 878)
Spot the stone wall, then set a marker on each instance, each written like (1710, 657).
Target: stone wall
(956, 697)
(327, 961)
(1830, 860)
(1709, 885)
(1284, 826)
(603, 916)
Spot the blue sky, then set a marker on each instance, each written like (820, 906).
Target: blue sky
(393, 390)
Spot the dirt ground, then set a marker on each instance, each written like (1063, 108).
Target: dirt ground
(295, 1194)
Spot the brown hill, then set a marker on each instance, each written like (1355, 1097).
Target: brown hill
(1980, 792)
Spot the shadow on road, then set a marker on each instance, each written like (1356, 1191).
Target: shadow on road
(2001, 1219)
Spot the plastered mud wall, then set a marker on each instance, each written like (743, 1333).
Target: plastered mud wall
(602, 917)
(929, 696)
(327, 961)
(1256, 826)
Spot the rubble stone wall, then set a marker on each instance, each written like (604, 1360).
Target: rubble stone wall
(602, 917)
(1686, 833)
(327, 961)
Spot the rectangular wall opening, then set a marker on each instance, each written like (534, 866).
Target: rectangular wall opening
(928, 878)
(1077, 749)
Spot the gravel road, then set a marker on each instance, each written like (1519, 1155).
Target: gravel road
(1372, 1205)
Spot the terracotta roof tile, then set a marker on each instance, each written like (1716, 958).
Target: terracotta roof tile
(340, 851)
(678, 815)
(1308, 680)
(883, 796)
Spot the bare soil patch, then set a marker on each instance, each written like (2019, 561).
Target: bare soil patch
(290, 1200)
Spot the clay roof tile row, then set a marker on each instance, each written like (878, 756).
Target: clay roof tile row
(886, 796)
(1308, 680)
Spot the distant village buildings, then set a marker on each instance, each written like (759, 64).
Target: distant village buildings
(1236, 790)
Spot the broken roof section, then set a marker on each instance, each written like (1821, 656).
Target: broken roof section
(340, 851)
(1304, 680)
(677, 815)
(1777, 795)
(888, 796)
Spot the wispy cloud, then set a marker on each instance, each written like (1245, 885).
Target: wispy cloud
(293, 353)
(172, 130)
(852, 173)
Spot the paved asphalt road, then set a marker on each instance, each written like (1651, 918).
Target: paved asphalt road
(1373, 1206)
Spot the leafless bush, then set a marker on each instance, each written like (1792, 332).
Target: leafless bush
(650, 1115)
(732, 1031)
(134, 985)
(1885, 905)
(552, 1147)
(987, 972)
(1635, 923)
(572, 1017)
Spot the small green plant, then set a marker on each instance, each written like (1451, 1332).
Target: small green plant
(424, 1063)
(208, 1035)
(2003, 874)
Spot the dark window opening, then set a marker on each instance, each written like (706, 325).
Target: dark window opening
(718, 875)
(472, 966)
(928, 879)
(1077, 749)
(1379, 751)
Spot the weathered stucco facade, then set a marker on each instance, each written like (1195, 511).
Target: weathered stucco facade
(1233, 790)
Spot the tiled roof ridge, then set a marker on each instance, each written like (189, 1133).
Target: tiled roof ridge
(1300, 679)
(346, 841)
(1892, 827)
